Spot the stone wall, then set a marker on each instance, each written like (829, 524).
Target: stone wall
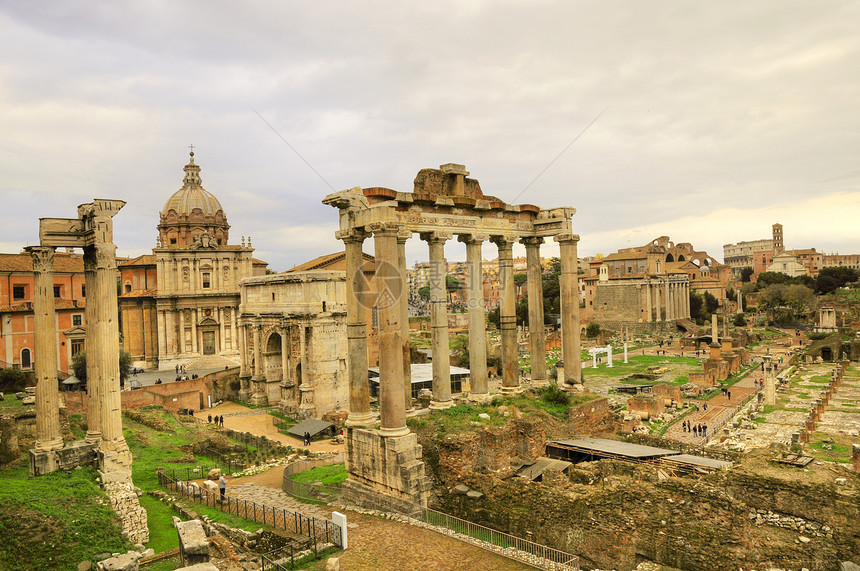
(173, 396)
(17, 433)
(592, 417)
(124, 501)
(617, 302)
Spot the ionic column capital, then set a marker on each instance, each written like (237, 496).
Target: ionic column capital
(503, 241)
(43, 258)
(352, 235)
(472, 238)
(566, 238)
(436, 236)
(531, 241)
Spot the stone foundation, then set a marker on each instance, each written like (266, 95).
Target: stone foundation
(80, 453)
(384, 472)
(132, 516)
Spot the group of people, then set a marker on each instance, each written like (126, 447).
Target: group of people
(700, 429)
(219, 420)
(726, 393)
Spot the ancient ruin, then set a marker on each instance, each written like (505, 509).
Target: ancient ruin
(444, 202)
(92, 231)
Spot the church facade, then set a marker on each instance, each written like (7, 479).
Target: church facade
(196, 291)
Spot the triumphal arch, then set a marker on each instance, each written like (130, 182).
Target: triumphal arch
(444, 203)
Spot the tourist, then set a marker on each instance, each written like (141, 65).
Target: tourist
(177, 369)
(210, 419)
(307, 438)
(222, 421)
(729, 394)
(222, 486)
(158, 381)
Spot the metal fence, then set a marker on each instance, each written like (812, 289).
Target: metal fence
(231, 464)
(504, 544)
(319, 532)
(290, 557)
(308, 491)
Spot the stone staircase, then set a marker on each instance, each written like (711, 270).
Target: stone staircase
(209, 362)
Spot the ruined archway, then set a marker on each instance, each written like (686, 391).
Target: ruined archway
(272, 358)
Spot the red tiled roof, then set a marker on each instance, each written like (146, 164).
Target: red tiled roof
(59, 304)
(63, 263)
(144, 260)
(322, 262)
(141, 293)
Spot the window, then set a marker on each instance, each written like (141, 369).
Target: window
(58, 291)
(77, 346)
(77, 320)
(127, 288)
(173, 240)
(83, 290)
(19, 292)
(206, 279)
(25, 359)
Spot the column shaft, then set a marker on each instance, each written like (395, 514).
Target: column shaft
(404, 320)
(477, 322)
(659, 310)
(537, 338)
(45, 346)
(356, 331)
(162, 333)
(94, 331)
(648, 318)
(668, 301)
(194, 320)
(258, 355)
(389, 286)
(181, 345)
(570, 350)
(285, 354)
(439, 322)
(508, 314)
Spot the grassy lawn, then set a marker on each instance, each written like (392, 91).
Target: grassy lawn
(680, 367)
(55, 521)
(11, 404)
(333, 475)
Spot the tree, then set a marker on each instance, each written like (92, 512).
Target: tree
(832, 278)
(798, 297)
(460, 350)
(12, 380)
(739, 320)
(731, 295)
(593, 330)
(424, 292)
(79, 365)
(768, 278)
(711, 303)
(452, 283)
(520, 279)
(696, 304)
(772, 296)
(746, 274)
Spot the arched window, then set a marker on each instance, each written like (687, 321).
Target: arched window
(25, 359)
(681, 258)
(670, 258)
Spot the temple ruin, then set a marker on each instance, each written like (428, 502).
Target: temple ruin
(384, 465)
(92, 231)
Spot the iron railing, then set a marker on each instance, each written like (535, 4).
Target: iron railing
(290, 556)
(504, 544)
(319, 532)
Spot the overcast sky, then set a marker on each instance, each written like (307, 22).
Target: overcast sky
(718, 118)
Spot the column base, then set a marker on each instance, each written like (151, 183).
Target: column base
(259, 400)
(478, 398)
(441, 405)
(93, 438)
(510, 390)
(67, 458)
(575, 387)
(49, 445)
(361, 420)
(538, 383)
(394, 432)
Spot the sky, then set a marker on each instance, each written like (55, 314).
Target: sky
(703, 121)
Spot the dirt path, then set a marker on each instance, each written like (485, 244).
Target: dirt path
(260, 422)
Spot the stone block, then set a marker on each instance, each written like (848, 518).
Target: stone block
(199, 567)
(126, 562)
(29, 400)
(193, 545)
(211, 486)
(332, 564)
(214, 473)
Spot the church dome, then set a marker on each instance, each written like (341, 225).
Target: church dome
(192, 217)
(192, 195)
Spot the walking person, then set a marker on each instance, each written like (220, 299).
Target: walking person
(210, 419)
(222, 486)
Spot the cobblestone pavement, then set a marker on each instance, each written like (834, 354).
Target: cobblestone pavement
(273, 497)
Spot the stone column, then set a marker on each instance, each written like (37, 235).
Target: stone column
(243, 354)
(94, 331)
(715, 332)
(390, 287)
(648, 301)
(477, 323)
(657, 301)
(439, 320)
(537, 338)
(570, 350)
(234, 330)
(222, 345)
(285, 354)
(357, 302)
(194, 319)
(162, 333)
(402, 237)
(507, 313)
(855, 455)
(740, 301)
(47, 409)
(769, 382)
(669, 316)
(181, 346)
(258, 355)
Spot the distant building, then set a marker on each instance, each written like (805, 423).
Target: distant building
(17, 348)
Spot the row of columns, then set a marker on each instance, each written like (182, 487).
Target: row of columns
(393, 319)
(170, 345)
(672, 296)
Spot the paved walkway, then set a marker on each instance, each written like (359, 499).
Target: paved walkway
(276, 498)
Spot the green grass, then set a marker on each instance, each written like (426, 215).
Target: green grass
(333, 475)
(54, 521)
(831, 452)
(162, 534)
(10, 403)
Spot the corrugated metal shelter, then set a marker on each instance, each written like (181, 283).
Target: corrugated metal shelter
(312, 426)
